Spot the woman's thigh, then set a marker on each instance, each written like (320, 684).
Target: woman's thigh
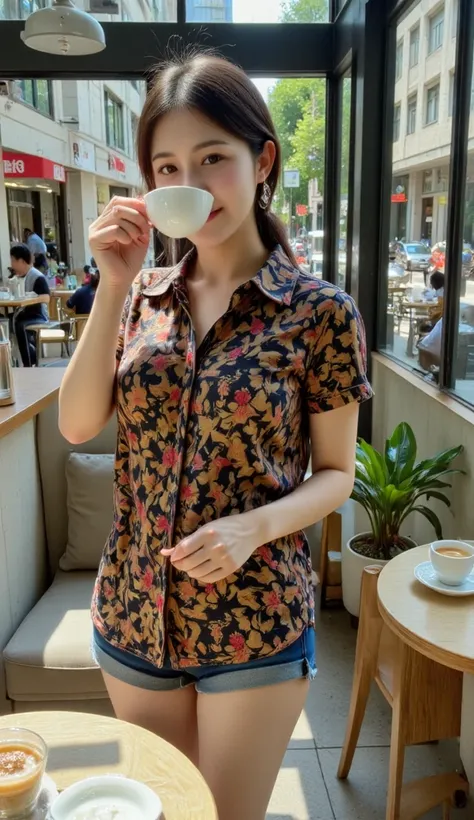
(169, 714)
(243, 737)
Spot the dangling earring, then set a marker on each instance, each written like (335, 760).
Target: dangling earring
(265, 196)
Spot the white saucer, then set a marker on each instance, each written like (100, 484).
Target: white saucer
(427, 575)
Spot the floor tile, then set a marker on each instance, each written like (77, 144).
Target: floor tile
(363, 795)
(328, 700)
(302, 737)
(300, 793)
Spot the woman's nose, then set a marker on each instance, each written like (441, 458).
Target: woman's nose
(193, 179)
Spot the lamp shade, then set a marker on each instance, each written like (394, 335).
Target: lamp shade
(63, 29)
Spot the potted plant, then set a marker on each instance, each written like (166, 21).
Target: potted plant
(390, 486)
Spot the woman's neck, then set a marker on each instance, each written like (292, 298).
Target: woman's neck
(233, 262)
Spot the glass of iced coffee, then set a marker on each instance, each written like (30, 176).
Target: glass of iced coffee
(22, 763)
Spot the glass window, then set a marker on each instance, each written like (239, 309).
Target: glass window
(257, 11)
(436, 31)
(464, 357)
(114, 122)
(418, 212)
(396, 122)
(414, 46)
(451, 94)
(160, 11)
(432, 104)
(298, 108)
(37, 93)
(399, 60)
(411, 114)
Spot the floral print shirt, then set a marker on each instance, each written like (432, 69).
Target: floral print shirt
(217, 431)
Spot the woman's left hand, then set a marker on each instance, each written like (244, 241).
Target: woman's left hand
(217, 549)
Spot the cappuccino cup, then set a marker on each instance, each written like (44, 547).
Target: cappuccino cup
(452, 561)
(179, 211)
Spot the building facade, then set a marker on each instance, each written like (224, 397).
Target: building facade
(209, 11)
(68, 146)
(422, 126)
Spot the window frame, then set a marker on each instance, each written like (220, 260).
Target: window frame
(433, 86)
(117, 106)
(438, 13)
(34, 94)
(416, 29)
(397, 121)
(413, 98)
(399, 60)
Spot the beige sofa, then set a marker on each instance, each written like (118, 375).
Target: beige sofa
(47, 662)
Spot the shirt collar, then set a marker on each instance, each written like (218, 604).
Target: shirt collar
(276, 279)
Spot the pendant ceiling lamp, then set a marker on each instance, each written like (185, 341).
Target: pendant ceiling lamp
(63, 29)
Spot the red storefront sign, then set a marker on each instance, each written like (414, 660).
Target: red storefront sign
(399, 197)
(28, 166)
(116, 164)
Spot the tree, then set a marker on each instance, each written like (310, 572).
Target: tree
(305, 11)
(298, 109)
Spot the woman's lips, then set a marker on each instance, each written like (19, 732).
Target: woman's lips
(213, 214)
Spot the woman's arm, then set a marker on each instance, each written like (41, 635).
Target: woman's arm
(86, 395)
(333, 443)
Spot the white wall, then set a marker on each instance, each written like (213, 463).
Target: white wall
(82, 210)
(437, 426)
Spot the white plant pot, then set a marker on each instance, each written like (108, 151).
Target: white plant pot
(352, 567)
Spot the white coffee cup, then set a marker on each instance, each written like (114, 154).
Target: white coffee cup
(179, 211)
(450, 568)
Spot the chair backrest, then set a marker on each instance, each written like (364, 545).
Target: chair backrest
(53, 452)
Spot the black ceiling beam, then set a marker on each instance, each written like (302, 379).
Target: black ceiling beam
(274, 50)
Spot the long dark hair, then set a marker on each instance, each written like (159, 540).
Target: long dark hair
(223, 93)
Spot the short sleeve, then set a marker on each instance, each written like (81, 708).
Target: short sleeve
(41, 287)
(337, 365)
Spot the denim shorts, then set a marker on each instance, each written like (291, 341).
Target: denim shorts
(296, 661)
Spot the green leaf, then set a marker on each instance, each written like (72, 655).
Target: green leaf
(439, 496)
(432, 518)
(400, 453)
(372, 461)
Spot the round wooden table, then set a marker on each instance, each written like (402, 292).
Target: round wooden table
(438, 626)
(83, 745)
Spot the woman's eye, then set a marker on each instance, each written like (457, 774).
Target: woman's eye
(213, 159)
(166, 169)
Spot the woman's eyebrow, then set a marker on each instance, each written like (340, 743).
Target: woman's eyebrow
(198, 147)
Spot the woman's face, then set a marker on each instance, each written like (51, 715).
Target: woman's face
(189, 149)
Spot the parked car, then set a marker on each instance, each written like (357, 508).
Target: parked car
(411, 255)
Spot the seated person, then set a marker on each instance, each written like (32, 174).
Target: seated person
(430, 349)
(41, 263)
(436, 291)
(82, 299)
(21, 261)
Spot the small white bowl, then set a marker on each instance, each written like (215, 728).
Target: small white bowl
(137, 801)
(179, 211)
(450, 570)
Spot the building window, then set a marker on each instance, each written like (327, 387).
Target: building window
(396, 122)
(411, 115)
(432, 105)
(436, 31)
(20, 9)
(134, 129)
(399, 61)
(114, 122)
(37, 93)
(414, 46)
(451, 94)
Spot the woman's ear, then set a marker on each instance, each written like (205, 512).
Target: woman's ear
(266, 161)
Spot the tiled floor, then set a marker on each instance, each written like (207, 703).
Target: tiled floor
(307, 787)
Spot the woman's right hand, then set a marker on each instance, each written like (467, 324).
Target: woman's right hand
(119, 239)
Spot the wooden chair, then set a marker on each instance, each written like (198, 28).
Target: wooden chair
(52, 333)
(328, 576)
(426, 705)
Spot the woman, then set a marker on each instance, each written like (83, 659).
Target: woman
(223, 368)
(82, 299)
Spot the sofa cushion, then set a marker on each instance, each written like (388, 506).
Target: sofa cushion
(49, 656)
(90, 512)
